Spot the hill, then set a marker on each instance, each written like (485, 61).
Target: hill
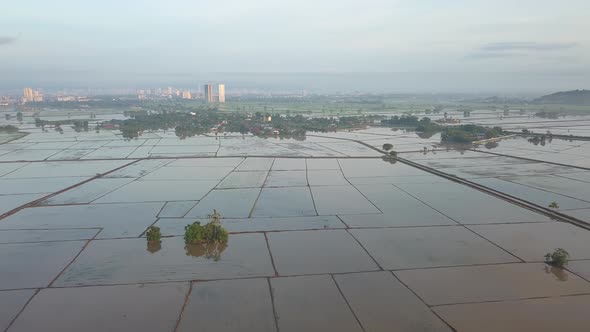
(574, 97)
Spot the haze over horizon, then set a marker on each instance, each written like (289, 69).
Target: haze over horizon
(368, 46)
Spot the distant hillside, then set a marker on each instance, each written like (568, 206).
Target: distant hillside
(574, 97)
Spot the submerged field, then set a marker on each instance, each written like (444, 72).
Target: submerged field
(324, 233)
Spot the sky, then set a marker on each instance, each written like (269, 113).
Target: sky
(434, 45)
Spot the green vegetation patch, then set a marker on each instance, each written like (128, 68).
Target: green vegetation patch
(469, 133)
(559, 257)
(153, 234)
(212, 232)
(260, 124)
(449, 134)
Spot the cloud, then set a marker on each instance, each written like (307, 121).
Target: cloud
(6, 40)
(491, 55)
(516, 49)
(526, 46)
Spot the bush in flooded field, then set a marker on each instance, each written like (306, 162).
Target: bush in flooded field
(387, 146)
(193, 233)
(554, 205)
(153, 234)
(212, 232)
(558, 257)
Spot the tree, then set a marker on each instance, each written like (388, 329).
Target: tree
(19, 116)
(387, 146)
(554, 205)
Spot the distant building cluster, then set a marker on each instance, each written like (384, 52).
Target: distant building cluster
(30, 96)
(209, 95)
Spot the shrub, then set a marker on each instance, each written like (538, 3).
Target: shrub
(212, 232)
(387, 146)
(153, 234)
(193, 233)
(554, 205)
(393, 153)
(558, 257)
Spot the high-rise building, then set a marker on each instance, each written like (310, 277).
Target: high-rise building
(28, 95)
(208, 93)
(221, 93)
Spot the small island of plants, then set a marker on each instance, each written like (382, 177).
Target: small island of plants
(467, 133)
(212, 232)
(558, 258)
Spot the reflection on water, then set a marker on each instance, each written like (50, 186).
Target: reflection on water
(491, 145)
(426, 135)
(153, 246)
(559, 273)
(459, 147)
(389, 159)
(540, 140)
(207, 250)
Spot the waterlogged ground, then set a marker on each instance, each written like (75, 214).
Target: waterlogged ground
(324, 235)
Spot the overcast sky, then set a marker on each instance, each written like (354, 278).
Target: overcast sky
(129, 40)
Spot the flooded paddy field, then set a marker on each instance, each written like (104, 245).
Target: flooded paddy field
(106, 145)
(556, 172)
(323, 234)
